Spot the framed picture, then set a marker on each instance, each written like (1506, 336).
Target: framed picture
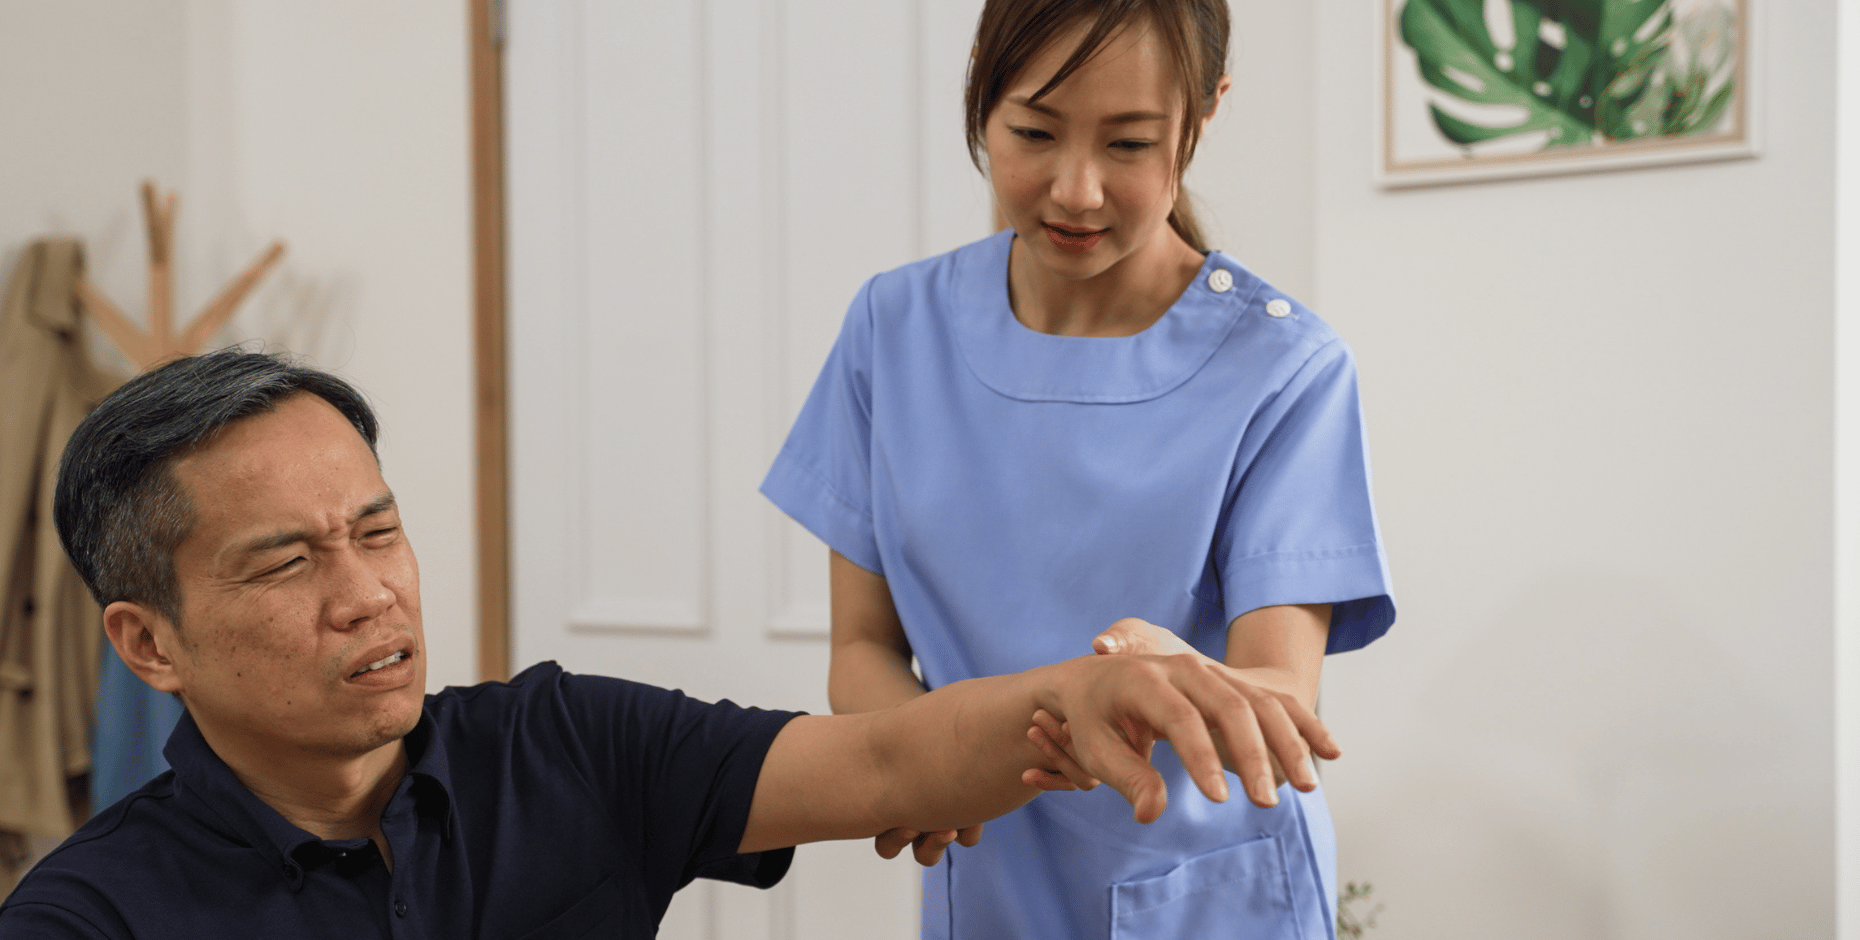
(1489, 89)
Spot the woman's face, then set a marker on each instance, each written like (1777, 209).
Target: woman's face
(1086, 175)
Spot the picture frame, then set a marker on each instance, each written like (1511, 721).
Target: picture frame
(1470, 90)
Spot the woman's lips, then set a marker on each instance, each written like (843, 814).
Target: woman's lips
(1072, 240)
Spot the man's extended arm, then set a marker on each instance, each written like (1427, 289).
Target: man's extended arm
(956, 756)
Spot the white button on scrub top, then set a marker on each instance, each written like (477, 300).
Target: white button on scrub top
(1221, 281)
(1279, 308)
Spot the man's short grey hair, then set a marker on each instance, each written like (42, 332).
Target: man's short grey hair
(120, 511)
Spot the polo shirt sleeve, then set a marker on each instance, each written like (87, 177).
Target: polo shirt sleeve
(1300, 528)
(42, 921)
(822, 476)
(684, 771)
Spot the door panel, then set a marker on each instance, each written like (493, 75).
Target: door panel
(696, 191)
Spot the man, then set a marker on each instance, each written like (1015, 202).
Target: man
(229, 514)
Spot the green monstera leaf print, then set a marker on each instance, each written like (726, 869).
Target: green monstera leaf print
(1582, 71)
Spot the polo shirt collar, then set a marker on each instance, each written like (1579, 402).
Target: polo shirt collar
(209, 791)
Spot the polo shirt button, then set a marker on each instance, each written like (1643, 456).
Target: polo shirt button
(1279, 308)
(400, 908)
(1221, 281)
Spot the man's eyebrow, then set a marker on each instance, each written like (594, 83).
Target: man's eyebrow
(277, 540)
(1124, 117)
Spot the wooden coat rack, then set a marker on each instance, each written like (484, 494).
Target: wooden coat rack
(160, 344)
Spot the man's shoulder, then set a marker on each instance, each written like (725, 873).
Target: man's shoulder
(117, 860)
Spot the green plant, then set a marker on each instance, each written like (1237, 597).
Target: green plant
(1582, 71)
(1350, 925)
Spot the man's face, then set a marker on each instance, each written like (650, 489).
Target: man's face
(295, 579)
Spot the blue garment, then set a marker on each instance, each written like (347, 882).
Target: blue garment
(1021, 491)
(133, 721)
(555, 805)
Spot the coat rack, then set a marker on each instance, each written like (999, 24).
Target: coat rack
(160, 343)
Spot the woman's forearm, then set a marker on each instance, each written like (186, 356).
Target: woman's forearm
(867, 677)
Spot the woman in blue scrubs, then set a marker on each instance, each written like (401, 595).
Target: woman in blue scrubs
(1088, 417)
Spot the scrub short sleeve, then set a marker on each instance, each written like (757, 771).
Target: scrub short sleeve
(823, 475)
(1300, 528)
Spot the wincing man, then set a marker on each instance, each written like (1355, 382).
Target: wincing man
(229, 513)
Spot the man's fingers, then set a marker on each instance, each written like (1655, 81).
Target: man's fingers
(892, 841)
(1312, 730)
(970, 835)
(1144, 788)
(1289, 750)
(1245, 745)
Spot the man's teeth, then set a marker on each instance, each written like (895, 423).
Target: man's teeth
(380, 664)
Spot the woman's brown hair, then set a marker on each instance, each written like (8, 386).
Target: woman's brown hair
(1011, 32)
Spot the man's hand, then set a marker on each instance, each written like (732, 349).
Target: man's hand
(1272, 729)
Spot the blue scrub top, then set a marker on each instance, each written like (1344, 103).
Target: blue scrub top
(1021, 491)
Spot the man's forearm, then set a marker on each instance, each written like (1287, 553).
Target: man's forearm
(954, 757)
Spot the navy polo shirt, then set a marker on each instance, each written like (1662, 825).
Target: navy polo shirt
(554, 805)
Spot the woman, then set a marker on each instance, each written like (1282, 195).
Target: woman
(1083, 418)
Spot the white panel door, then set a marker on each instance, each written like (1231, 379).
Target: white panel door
(697, 189)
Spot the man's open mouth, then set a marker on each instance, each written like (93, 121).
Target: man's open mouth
(380, 664)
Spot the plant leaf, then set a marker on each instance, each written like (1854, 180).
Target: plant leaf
(1451, 36)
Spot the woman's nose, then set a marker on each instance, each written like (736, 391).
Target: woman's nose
(1077, 186)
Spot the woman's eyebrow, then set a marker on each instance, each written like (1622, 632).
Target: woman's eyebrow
(1124, 117)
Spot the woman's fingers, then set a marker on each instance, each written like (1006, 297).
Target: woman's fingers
(928, 848)
(1052, 737)
(1134, 636)
(892, 841)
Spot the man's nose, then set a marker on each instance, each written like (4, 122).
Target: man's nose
(358, 592)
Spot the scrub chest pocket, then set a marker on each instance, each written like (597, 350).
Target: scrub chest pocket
(1241, 891)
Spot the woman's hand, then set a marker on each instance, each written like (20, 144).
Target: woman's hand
(1285, 732)
(926, 847)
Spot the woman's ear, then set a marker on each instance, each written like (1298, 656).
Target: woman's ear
(144, 638)
(1220, 95)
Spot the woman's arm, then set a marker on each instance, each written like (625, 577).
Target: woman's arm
(1281, 648)
(870, 670)
(871, 664)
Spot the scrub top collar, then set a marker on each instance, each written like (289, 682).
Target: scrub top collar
(1028, 365)
(211, 793)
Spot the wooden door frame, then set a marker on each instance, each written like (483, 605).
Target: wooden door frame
(490, 364)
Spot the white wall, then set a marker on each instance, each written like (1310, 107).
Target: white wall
(1602, 411)
(340, 127)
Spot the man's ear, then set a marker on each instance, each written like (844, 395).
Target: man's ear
(144, 638)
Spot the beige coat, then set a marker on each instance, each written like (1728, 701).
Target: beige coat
(51, 632)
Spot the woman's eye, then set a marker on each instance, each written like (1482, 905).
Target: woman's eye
(1030, 133)
(1132, 146)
